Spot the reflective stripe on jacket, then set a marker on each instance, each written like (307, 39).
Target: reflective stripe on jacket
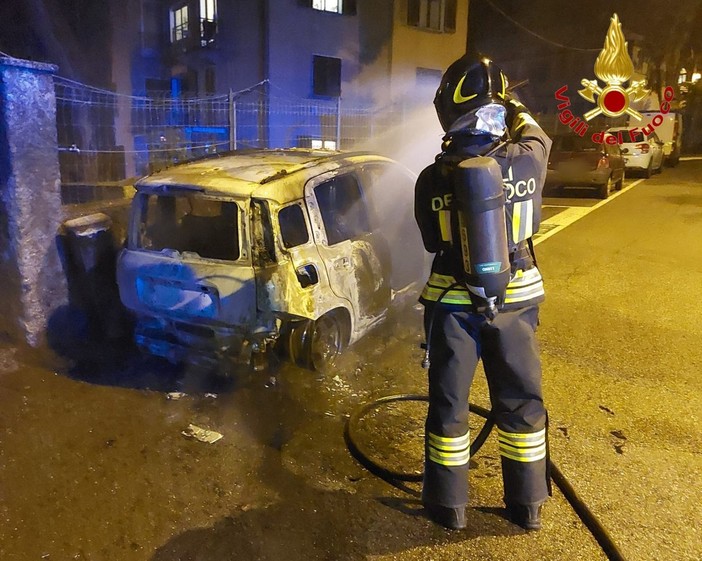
(523, 163)
(524, 288)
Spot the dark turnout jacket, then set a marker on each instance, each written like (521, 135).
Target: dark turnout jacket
(523, 161)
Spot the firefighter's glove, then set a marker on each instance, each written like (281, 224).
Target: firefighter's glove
(515, 108)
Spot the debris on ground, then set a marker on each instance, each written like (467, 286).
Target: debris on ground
(176, 395)
(203, 435)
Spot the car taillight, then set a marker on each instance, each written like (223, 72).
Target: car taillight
(603, 163)
(643, 147)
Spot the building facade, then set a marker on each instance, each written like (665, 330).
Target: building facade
(355, 53)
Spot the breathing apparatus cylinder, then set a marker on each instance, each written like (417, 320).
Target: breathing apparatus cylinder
(480, 205)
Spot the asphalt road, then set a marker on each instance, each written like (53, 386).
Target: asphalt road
(94, 464)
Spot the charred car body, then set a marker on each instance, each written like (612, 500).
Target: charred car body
(304, 249)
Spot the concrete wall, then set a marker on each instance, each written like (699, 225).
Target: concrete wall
(44, 285)
(33, 285)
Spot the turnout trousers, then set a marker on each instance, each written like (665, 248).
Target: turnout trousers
(509, 351)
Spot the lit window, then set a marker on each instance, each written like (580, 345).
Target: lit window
(683, 76)
(328, 5)
(436, 15)
(323, 144)
(695, 77)
(208, 21)
(179, 24)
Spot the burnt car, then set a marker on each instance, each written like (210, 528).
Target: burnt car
(579, 162)
(301, 250)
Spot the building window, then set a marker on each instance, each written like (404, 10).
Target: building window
(317, 144)
(326, 76)
(179, 23)
(435, 15)
(208, 21)
(335, 6)
(346, 7)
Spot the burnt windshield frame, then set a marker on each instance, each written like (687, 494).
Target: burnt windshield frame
(343, 208)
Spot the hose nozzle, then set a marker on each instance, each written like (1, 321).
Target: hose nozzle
(491, 312)
(425, 360)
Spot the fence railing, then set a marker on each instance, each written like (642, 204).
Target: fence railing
(108, 139)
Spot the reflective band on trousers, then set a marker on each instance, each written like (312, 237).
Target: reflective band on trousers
(522, 447)
(524, 286)
(447, 450)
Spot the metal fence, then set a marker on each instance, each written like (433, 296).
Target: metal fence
(108, 139)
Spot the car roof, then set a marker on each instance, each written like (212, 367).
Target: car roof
(277, 174)
(567, 142)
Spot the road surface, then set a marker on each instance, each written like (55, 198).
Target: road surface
(94, 464)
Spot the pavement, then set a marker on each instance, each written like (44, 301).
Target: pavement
(94, 464)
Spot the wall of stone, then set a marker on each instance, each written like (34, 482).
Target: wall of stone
(32, 283)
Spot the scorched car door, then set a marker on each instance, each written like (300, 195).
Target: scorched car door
(348, 248)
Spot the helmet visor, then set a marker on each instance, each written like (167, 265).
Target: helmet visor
(490, 119)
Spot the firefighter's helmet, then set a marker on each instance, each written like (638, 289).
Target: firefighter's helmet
(467, 85)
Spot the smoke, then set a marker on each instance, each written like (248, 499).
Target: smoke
(411, 137)
(413, 141)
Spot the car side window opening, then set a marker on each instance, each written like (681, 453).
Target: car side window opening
(342, 207)
(293, 227)
(195, 224)
(263, 239)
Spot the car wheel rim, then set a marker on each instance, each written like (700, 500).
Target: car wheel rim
(298, 341)
(326, 343)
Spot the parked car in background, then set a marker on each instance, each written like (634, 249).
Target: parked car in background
(306, 250)
(669, 131)
(579, 162)
(643, 154)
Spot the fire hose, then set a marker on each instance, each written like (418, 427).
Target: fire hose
(588, 518)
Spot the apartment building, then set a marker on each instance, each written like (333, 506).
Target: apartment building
(312, 48)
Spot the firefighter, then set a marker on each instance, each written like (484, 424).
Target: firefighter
(480, 118)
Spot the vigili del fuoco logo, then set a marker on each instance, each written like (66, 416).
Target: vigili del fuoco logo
(614, 67)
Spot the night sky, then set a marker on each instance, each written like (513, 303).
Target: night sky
(580, 27)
